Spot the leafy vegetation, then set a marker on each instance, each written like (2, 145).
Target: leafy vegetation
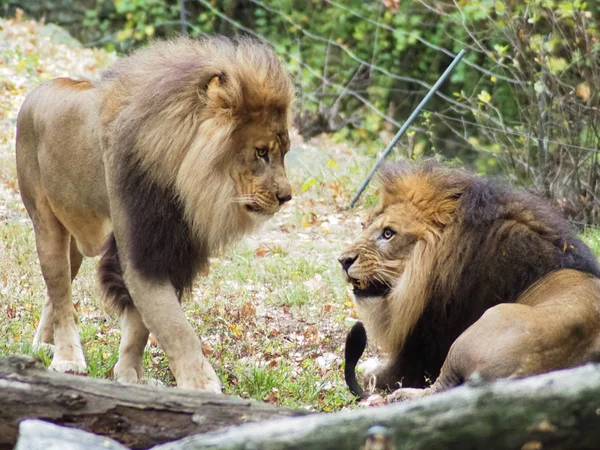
(524, 102)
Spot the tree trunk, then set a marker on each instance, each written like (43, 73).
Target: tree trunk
(137, 416)
(560, 410)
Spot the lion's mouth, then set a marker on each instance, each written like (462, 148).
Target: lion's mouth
(362, 288)
(255, 209)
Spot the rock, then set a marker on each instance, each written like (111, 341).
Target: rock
(39, 435)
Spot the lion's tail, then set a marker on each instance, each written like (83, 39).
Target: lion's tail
(356, 342)
(110, 275)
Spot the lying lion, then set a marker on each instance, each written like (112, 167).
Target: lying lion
(171, 156)
(454, 274)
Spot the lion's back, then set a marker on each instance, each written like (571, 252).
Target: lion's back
(58, 143)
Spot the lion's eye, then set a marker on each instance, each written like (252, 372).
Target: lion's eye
(388, 233)
(262, 152)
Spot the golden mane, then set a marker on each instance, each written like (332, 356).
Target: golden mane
(179, 103)
(431, 193)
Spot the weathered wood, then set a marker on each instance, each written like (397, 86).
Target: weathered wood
(560, 410)
(39, 435)
(137, 416)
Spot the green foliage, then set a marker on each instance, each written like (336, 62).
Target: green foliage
(532, 72)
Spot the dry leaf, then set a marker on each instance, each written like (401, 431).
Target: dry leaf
(261, 251)
(248, 311)
(272, 397)
(152, 341)
(11, 312)
(274, 332)
(207, 349)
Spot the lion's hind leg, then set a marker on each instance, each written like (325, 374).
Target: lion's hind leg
(58, 315)
(44, 335)
(501, 344)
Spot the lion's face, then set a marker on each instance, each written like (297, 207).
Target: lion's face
(261, 183)
(377, 259)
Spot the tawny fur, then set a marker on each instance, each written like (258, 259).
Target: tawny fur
(171, 156)
(461, 245)
(183, 131)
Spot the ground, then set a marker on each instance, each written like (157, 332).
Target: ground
(273, 311)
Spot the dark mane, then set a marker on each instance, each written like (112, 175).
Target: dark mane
(499, 243)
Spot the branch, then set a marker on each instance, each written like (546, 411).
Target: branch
(137, 416)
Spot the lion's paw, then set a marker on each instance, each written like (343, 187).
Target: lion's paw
(403, 394)
(142, 382)
(65, 366)
(38, 346)
(204, 385)
(214, 387)
(151, 382)
(371, 366)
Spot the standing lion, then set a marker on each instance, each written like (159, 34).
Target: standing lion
(172, 155)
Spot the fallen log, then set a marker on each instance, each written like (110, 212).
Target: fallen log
(560, 410)
(136, 416)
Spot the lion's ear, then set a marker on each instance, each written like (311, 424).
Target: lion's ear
(216, 95)
(214, 82)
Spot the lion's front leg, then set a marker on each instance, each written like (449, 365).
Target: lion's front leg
(44, 334)
(160, 311)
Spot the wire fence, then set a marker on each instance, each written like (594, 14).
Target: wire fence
(363, 63)
(475, 124)
(537, 144)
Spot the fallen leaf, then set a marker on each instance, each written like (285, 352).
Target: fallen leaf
(248, 311)
(261, 251)
(272, 397)
(207, 349)
(274, 332)
(152, 341)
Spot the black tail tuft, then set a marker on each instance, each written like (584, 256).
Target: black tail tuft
(110, 276)
(356, 342)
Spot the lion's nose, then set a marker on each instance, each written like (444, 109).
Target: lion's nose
(347, 261)
(284, 199)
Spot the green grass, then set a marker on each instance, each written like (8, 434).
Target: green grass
(591, 236)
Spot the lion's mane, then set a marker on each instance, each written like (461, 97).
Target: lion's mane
(168, 141)
(482, 243)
